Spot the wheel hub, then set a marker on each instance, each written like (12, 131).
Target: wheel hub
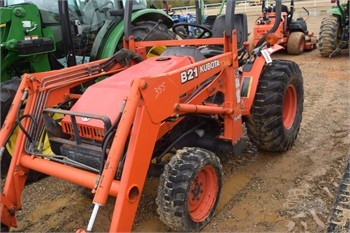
(203, 193)
(197, 190)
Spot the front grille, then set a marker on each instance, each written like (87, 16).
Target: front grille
(84, 131)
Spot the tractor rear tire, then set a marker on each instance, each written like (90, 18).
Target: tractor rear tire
(152, 31)
(328, 39)
(8, 91)
(296, 43)
(276, 113)
(149, 31)
(189, 189)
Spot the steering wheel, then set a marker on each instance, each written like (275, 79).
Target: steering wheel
(198, 31)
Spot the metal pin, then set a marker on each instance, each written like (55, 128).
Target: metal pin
(93, 218)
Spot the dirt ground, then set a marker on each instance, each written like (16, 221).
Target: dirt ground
(262, 192)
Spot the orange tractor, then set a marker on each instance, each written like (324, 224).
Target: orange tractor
(174, 113)
(292, 34)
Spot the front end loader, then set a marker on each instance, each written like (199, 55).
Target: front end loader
(175, 113)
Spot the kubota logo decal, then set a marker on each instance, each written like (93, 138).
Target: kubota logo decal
(192, 73)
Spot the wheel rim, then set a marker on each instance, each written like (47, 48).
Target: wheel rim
(289, 106)
(203, 193)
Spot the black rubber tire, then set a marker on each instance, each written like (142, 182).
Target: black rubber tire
(4, 228)
(8, 91)
(296, 43)
(265, 125)
(328, 37)
(149, 31)
(339, 220)
(175, 184)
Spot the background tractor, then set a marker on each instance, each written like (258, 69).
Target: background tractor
(174, 113)
(43, 35)
(334, 30)
(292, 34)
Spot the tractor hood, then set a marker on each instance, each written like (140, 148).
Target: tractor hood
(106, 97)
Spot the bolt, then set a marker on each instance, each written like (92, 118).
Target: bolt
(145, 85)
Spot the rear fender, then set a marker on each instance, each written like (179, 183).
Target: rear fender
(112, 38)
(250, 80)
(335, 11)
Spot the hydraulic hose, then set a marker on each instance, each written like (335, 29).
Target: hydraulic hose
(275, 25)
(111, 131)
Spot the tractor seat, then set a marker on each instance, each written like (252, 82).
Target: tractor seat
(241, 26)
(184, 51)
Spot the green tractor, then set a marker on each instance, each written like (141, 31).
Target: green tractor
(43, 35)
(334, 30)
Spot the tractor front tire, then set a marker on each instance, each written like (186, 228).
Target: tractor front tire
(8, 91)
(189, 189)
(328, 39)
(277, 109)
(296, 43)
